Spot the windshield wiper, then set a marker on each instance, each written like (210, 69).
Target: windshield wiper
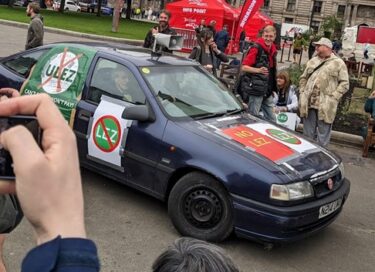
(216, 114)
(171, 98)
(233, 111)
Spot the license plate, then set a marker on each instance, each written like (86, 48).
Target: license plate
(329, 208)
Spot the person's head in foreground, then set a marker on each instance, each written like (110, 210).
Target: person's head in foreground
(192, 255)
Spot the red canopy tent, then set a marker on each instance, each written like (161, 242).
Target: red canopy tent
(256, 23)
(186, 15)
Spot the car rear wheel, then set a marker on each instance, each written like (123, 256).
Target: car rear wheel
(199, 206)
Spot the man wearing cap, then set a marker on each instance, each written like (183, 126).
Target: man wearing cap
(322, 84)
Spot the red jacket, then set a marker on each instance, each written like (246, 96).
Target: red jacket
(252, 55)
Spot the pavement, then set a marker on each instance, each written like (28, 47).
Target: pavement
(337, 136)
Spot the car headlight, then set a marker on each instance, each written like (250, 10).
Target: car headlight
(342, 170)
(294, 191)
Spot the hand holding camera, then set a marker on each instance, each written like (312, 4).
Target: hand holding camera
(48, 182)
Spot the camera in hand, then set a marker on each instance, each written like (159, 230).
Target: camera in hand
(30, 122)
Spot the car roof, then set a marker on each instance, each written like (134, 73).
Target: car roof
(137, 55)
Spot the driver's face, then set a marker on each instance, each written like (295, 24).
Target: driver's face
(121, 80)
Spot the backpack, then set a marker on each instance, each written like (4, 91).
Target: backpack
(244, 85)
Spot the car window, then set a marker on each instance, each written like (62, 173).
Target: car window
(115, 80)
(22, 64)
(188, 91)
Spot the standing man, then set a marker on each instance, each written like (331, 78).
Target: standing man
(322, 84)
(259, 80)
(163, 27)
(212, 26)
(35, 32)
(201, 26)
(221, 39)
(299, 43)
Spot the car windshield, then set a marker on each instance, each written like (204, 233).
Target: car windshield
(188, 91)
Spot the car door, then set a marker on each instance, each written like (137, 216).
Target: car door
(121, 149)
(15, 69)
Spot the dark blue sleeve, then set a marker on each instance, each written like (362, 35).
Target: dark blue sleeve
(370, 106)
(63, 255)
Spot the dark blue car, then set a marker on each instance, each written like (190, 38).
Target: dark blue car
(165, 126)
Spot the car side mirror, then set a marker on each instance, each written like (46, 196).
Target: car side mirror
(140, 113)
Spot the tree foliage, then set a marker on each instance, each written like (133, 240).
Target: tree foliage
(331, 27)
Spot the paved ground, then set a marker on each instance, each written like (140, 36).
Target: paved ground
(131, 229)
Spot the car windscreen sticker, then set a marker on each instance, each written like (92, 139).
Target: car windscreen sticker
(61, 73)
(297, 144)
(108, 131)
(260, 143)
(145, 70)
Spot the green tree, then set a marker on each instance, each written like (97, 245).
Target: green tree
(331, 27)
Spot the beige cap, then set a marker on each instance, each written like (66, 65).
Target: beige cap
(324, 41)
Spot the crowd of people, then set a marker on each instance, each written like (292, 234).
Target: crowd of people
(321, 86)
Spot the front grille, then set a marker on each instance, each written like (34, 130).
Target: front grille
(321, 187)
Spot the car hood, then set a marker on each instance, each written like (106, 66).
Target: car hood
(270, 145)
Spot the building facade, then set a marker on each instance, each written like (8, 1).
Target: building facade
(312, 13)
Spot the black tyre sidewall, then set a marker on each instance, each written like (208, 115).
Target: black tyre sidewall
(196, 180)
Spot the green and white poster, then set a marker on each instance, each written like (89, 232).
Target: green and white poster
(61, 73)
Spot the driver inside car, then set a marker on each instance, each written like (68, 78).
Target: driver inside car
(121, 82)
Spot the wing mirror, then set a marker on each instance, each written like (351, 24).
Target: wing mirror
(140, 113)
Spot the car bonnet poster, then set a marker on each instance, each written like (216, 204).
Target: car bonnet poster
(61, 73)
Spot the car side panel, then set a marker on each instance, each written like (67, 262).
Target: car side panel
(10, 79)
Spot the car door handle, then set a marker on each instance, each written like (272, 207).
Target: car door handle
(84, 115)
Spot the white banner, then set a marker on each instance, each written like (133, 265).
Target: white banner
(296, 143)
(287, 119)
(107, 130)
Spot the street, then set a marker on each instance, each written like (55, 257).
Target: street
(131, 229)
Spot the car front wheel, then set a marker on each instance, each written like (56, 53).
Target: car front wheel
(199, 206)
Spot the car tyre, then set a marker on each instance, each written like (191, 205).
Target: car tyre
(199, 206)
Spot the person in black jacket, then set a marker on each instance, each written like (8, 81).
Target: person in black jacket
(259, 79)
(206, 52)
(163, 27)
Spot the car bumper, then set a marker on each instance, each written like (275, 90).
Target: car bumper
(255, 220)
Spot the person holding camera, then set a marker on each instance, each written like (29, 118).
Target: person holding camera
(51, 197)
(206, 52)
(10, 212)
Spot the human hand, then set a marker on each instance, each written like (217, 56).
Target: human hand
(48, 182)
(213, 46)
(208, 67)
(6, 93)
(263, 70)
(154, 30)
(372, 95)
